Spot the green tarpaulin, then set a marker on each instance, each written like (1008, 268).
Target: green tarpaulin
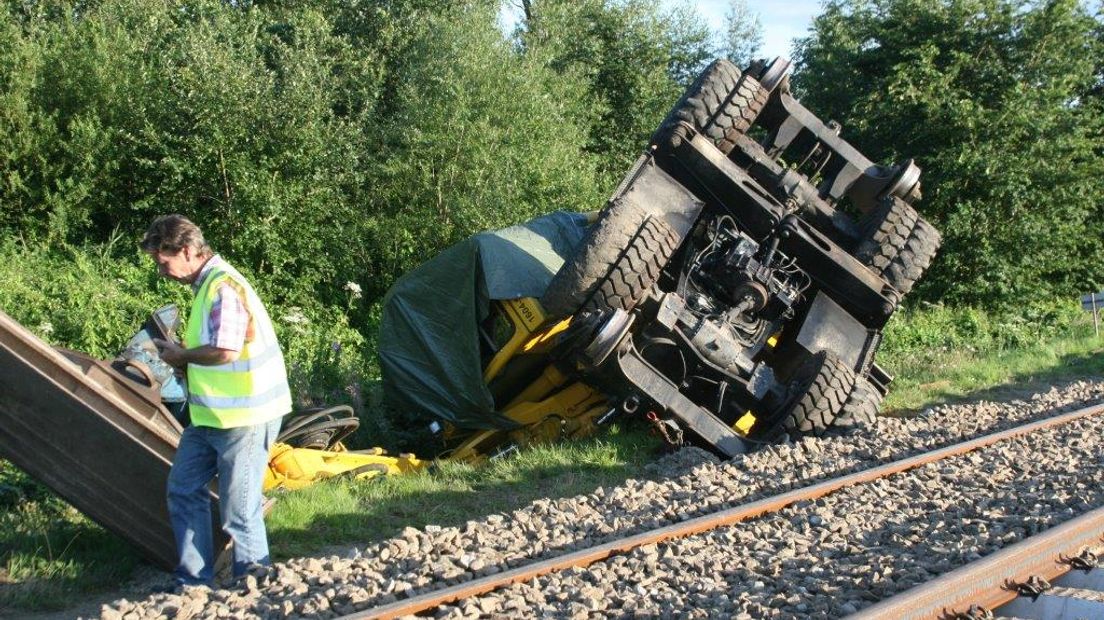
(429, 338)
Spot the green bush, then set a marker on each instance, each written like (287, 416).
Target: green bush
(318, 143)
(83, 299)
(94, 298)
(933, 329)
(633, 59)
(475, 137)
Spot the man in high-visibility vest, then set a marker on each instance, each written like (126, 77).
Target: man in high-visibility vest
(237, 395)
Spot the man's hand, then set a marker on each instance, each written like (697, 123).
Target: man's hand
(171, 353)
(206, 355)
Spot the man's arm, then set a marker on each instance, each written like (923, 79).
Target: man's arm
(205, 355)
(229, 326)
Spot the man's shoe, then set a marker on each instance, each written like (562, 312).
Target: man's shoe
(178, 587)
(174, 587)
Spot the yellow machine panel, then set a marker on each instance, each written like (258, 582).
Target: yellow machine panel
(295, 468)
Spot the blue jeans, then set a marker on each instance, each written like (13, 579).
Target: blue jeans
(239, 457)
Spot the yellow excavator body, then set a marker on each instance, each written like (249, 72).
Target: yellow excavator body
(294, 468)
(550, 408)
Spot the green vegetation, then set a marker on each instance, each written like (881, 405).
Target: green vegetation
(328, 146)
(1000, 102)
(94, 299)
(941, 354)
(52, 554)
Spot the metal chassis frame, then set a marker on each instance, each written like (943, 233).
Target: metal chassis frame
(694, 161)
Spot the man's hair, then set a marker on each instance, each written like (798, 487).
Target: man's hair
(172, 233)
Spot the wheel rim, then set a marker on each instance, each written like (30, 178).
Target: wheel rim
(608, 337)
(905, 180)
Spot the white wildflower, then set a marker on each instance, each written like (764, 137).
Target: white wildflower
(295, 317)
(46, 328)
(353, 288)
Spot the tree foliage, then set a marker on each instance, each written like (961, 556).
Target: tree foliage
(232, 115)
(633, 58)
(322, 142)
(317, 143)
(992, 98)
(467, 135)
(743, 33)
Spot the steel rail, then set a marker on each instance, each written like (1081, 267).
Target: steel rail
(990, 582)
(586, 557)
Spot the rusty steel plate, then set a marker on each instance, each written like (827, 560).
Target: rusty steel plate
(104, 453)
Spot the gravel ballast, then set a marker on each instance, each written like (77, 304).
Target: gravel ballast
(823, 559)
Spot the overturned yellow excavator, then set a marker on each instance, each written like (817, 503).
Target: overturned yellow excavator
(733, 290)
(551, 407)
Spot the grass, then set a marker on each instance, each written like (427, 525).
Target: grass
(51, 557)
(954, 375)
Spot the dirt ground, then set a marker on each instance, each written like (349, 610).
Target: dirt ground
(139, 586)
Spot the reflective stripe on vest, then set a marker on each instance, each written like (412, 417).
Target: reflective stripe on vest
(250, 390)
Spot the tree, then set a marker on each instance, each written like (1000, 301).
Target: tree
(318, 143)
(634, 59)
(475, 137)
(1094, 94)
(988, 96)
(743, 33)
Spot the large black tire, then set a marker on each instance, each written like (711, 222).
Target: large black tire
(861, 407)
(896, 243)
(821, 388)
(722, 103)
(617, 264)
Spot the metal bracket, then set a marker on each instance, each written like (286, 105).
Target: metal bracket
(1033, 586)
(1086, 560)
(975, 612)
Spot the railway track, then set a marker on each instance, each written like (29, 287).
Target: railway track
(839, 554)
(938, 600)
(1050, 576)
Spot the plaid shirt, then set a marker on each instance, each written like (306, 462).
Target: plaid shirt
(229, 318)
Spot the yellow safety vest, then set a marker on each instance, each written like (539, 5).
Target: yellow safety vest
(250, 390)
